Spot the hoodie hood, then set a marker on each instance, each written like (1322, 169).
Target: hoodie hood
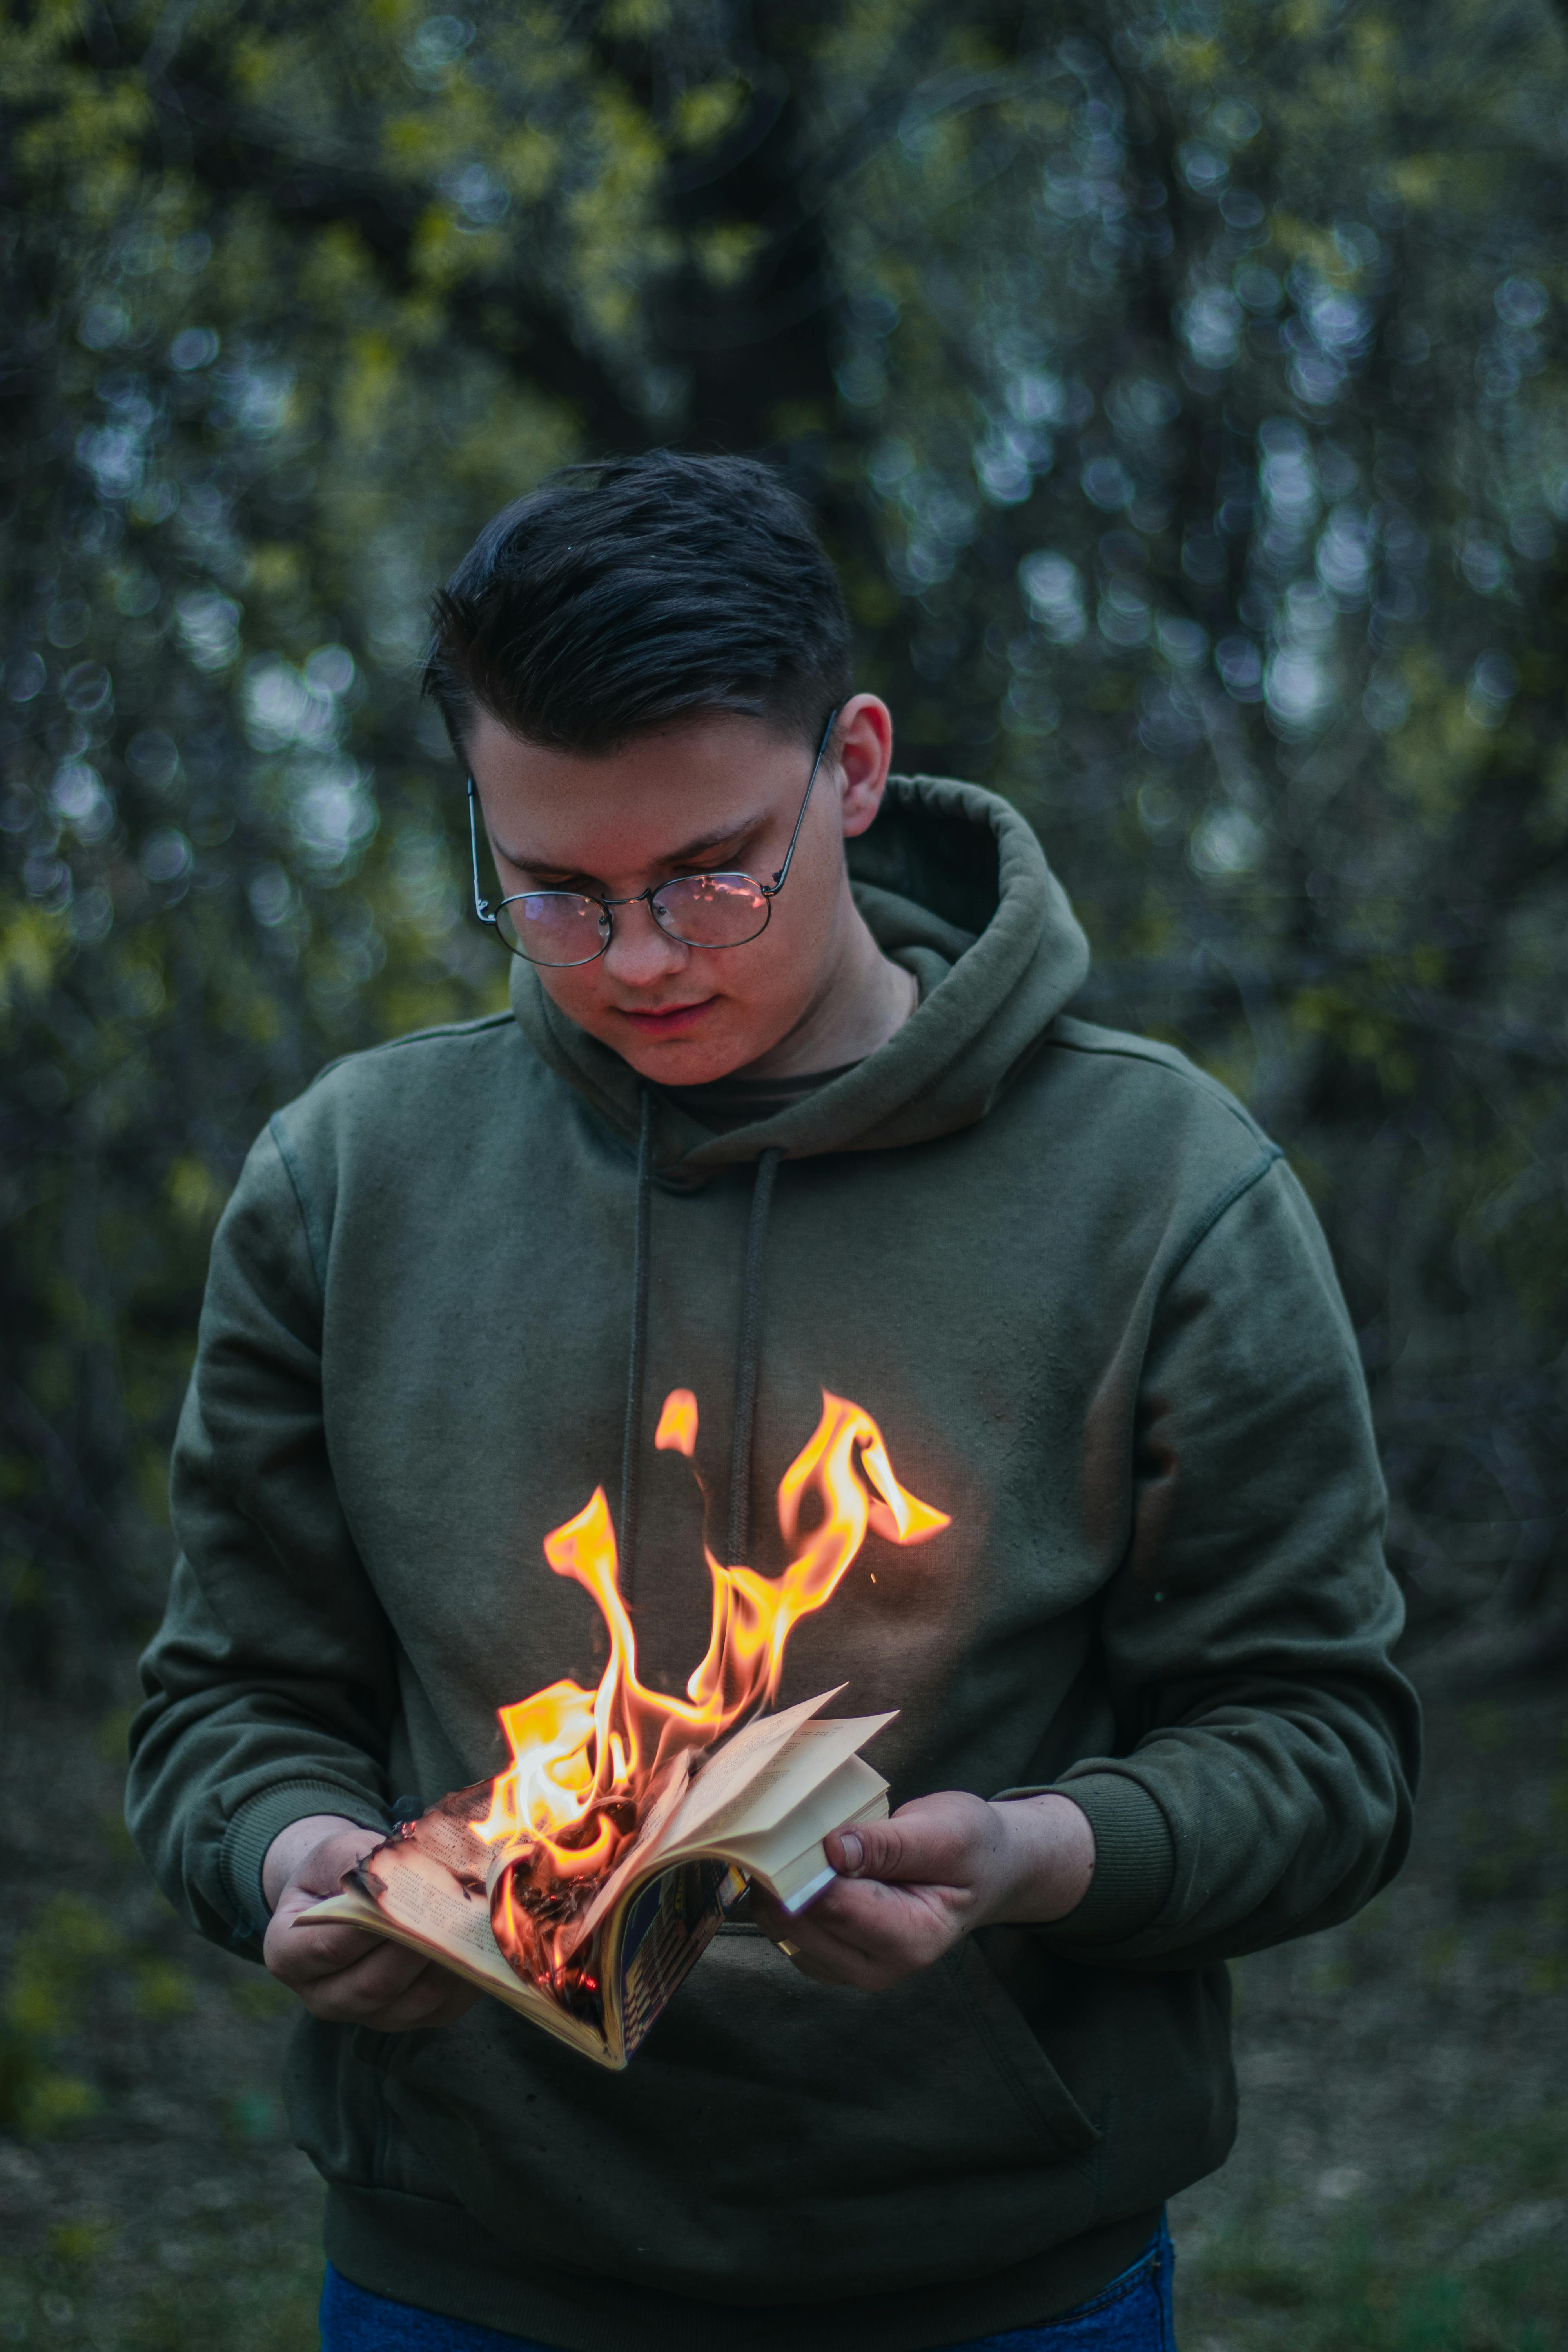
(955, 887)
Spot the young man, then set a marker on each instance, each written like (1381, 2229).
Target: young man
(788, 1098)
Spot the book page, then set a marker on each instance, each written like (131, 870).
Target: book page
(448, 1833)
(847, 1791)
(740, 1761)
(637, 1858)
(488, 1971)
(760, 1800)
(666, 1922)
(500, 1855)
(811, 1873)
(696, 1794)
(447, 1929)
(420, 1891)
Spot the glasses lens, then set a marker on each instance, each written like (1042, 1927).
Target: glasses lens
(713, 910)
(553, 926)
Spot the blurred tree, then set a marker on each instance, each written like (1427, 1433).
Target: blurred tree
(1182, 390)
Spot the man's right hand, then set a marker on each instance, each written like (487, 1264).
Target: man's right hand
(343, 1976)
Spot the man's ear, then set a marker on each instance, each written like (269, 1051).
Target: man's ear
(863, 751)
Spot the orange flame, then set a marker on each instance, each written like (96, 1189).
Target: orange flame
(677, 1431)
(586, 1763)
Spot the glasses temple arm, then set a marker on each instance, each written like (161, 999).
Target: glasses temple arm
(781, 876)
(482, 906)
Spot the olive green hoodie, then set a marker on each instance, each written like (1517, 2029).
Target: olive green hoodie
(1091, 1310)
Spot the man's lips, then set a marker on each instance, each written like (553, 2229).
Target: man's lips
(670, 1021)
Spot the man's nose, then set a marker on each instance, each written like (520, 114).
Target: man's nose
(639, 953)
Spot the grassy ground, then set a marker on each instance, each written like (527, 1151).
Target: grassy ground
(1400, 2183)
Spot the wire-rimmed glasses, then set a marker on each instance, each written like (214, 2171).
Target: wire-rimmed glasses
(562, 927)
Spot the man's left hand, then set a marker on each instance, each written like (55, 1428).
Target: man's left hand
(909, 1887)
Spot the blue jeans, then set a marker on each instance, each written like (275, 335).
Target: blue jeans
(1132, 2315)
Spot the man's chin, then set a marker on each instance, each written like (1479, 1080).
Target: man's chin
(689, 1061)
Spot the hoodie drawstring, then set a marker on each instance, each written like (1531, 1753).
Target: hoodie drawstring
(737, 1544)
(744, 1447)
(631, 1443)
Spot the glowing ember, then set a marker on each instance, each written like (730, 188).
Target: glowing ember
(589, 1765)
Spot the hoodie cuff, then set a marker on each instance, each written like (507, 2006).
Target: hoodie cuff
(1134, 1860)
(261, 1818)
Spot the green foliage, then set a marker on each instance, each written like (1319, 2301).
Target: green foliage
(80, 2241)
(1182, 392)
(53, 1969)
(70, 1958)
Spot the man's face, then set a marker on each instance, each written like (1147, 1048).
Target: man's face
(717, 793)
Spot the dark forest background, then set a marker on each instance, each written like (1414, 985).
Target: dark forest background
(1183, 394)
(1183, 388)
(1183, 391)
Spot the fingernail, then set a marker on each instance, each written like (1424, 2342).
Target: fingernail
(854, 1852)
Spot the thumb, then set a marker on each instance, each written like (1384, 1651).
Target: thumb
(870, 1849)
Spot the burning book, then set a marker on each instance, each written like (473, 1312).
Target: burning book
(583, 1882)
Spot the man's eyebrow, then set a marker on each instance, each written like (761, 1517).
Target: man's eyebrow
(676, 857)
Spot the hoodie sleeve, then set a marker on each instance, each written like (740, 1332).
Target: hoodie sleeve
(1270, 1748)
(271, 1684)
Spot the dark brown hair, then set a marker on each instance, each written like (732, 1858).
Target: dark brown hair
(618, 596)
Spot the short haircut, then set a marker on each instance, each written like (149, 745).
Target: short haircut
(620, 596)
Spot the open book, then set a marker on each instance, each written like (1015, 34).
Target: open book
(757, 1808)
